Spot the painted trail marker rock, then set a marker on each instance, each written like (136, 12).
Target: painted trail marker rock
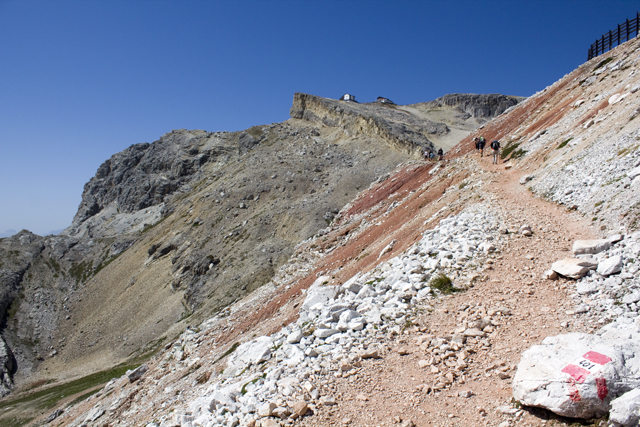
(576, 375)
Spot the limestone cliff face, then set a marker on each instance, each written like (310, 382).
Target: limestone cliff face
(402, 130)
(476, 105)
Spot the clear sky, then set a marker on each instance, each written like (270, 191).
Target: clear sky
(82, 80)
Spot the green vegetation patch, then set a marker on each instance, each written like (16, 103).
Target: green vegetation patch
(518, 153)
(563, 143)
(33, 402)
(509, 148)
(625, 151)
(228, 352)
(80, 271)
(443, 284)
(603, 63)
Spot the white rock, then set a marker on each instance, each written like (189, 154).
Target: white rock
(610, 266)
(94, 414)
(573, 268)
(634, 172)
(590, 246)
(584, 288)
(631, 298)
(266, 409)
(324, 333)
(625, 410)
(295, 337)
(576, 375)
(249, 353)
(319, 293)
(352, 284)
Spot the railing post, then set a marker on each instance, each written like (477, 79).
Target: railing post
(627, 28)
(637, 22)
(618, 34)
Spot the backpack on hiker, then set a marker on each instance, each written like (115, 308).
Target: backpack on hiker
(495, 145)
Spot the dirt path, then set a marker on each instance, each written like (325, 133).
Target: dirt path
(394, 390)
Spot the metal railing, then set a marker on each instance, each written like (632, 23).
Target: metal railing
(612, 39)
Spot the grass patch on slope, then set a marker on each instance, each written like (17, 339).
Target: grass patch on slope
(29, 403)
(443, 284)
(511, 149)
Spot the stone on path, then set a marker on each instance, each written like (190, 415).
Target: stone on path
(572, 268)
(581, 247)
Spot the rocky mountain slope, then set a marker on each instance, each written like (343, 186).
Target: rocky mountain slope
(170, 233)
(435, 296)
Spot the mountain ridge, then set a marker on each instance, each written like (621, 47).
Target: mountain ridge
(176, 230)
(360, 326)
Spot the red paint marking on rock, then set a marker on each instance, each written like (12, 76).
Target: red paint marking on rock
(601, 385)
(576, 372)
(598, 358)
(574, 394)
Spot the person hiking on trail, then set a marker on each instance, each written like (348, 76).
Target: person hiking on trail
(476, 140)
(481, 144)
(440, 154)
(431, 155)
(495, 147)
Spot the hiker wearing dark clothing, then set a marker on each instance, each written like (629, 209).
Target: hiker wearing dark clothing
(440, 154)
(495, 151)
(476, 140)
(481, 144)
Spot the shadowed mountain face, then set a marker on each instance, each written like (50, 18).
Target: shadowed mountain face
(169, 233)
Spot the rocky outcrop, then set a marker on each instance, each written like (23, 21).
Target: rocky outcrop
(483, 105)
(404, 131)
(143, 175)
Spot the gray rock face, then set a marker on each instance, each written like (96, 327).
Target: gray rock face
(144, 174)
(7, 368)
(484, 105)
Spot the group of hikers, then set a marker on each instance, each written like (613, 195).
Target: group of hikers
(495, 148)
(480, 144)
(429, 155)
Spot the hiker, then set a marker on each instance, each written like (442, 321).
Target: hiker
(481, 144)
(495, 147)
(427, 155)
(431, 155)
(476, 140)
(440, 154)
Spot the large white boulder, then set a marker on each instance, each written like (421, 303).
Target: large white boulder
(578, 375)
(319, 293)
(249, 353)
(572, 268)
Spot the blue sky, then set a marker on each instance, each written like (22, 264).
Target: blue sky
(82, 80)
